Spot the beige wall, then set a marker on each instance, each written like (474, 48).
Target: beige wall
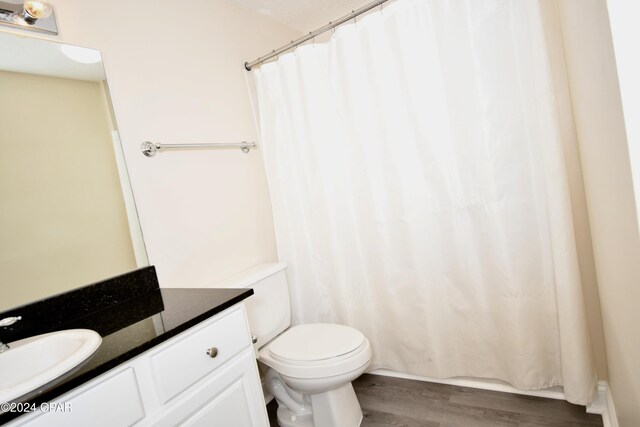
(63, 221)
(609, 192)
(175, 72)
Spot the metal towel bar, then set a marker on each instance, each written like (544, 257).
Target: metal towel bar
(150, 149)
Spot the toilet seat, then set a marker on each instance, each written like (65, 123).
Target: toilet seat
(317, 351)
(315, 342)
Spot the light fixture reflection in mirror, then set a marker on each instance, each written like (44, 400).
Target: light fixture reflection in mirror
(36, 9)
(34, 15)
(81, 54)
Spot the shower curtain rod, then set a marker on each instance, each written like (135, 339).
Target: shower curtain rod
(249, 65)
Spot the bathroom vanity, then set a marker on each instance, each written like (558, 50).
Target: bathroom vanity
(168, 357)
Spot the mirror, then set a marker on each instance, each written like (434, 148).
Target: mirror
(68, 216)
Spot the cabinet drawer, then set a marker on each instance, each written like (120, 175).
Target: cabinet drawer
(185, 361)
(114, 401)
(231, 396)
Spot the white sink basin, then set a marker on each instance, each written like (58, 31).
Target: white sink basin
(35, 361)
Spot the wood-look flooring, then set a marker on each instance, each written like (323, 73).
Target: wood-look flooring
(395, 402)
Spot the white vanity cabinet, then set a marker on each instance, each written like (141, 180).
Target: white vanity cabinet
(205, 376)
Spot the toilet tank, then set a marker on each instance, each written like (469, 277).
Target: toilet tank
(268, 309)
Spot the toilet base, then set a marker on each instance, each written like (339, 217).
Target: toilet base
(334, 408)
(286, 418)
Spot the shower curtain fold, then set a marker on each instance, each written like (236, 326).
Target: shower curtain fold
(420, 195)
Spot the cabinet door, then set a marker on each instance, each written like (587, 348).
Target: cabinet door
(229, 397)
(113, 400)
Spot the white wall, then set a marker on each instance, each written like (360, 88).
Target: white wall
(609, 191)
(175, 74)
(624, 16)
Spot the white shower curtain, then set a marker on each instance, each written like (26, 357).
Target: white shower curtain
(420, 194)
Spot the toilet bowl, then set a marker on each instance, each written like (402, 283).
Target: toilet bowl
(307, 368)
(309, 372)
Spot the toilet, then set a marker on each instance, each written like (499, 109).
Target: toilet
(307, 368)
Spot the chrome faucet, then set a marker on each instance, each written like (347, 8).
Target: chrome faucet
(4, 323)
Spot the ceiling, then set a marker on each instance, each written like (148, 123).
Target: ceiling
(303, 15)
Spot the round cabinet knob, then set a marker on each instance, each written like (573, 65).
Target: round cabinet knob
(212, 352)
(254, 339)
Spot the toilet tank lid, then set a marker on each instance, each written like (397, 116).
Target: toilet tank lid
(249, 277)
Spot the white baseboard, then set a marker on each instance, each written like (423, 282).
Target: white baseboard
(484, 384)
(602, 404)
(610, 417)
(599, 404)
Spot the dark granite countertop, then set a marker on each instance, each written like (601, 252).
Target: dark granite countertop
(132, 326)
